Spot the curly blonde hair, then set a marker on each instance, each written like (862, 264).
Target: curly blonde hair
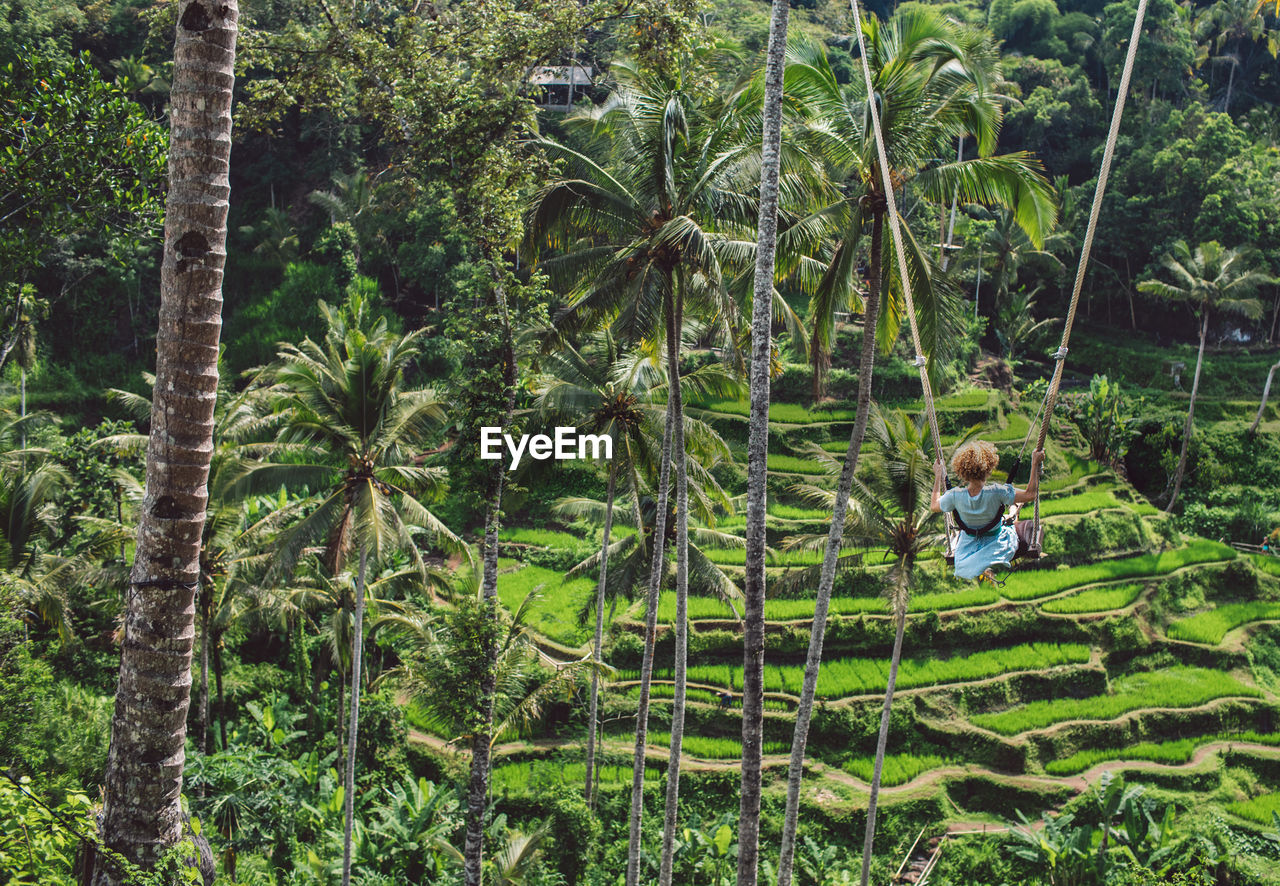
(974, 462)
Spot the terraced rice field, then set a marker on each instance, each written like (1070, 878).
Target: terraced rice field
(1175, 687)
(1023, 640)
(843, 677)
(1103, 599)
(1168, 752)
(1031, 584)
(1210, 627)
(897, 769)
(1260, 809)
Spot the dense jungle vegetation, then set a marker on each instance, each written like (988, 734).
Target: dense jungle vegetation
(411, 665)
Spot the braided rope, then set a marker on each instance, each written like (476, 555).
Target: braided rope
(895, 233)
(1108, 153)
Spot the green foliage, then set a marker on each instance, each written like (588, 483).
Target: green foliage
(1174, 687)
(473, 632)
(287, 314)
(36, 848)
(1105, 417)
(79, 156)
(555, 612)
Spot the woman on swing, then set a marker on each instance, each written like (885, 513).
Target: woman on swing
(985, 543)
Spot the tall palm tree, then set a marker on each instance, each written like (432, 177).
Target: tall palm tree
(652, 221)
(931, 81)
(893, 514)
(1210, 279)
(757, 454)
(349, 426)
(142, 813)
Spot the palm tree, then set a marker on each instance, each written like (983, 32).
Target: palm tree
(142, 813)
(650, 220)
(349, 426)
(757, 460)
(931, 79)
(1210, 279)
(892, 514)
(931, 84)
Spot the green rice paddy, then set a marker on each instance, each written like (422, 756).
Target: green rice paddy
(1030, 584)
(844, 677)
(1210, 627)
(898, 769)
(1174, 687)
(1103, 599)
(1167, 752)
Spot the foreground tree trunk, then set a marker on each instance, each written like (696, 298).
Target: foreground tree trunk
(1191, 409)
(656, 571)
(353, 724)
(142, 813)
(682, 595)
(900, 618)
(1266, 392)
(826, 582)
(593, 718)
(757, 453)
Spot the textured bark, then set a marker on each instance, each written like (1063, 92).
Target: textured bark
(1266, 392)
(826, 582)
(757, 453)
(682, 596)
(1191, 409)
(142, 815)
(657, 568)
(481, 742)
(593, 718)
(353, 724)
(901, 619)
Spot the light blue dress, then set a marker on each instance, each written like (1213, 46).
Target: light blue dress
(977, 553)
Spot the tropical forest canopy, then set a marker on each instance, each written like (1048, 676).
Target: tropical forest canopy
(411, 665)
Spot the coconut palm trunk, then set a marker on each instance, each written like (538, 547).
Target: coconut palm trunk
(826, 582)
(656, 572)
(593, 719)
(481, 741)
(353, 723)
(142, 813)
(682, 594)
(900, 619)
(1266, 392)
(1191, 409)
(757, 453)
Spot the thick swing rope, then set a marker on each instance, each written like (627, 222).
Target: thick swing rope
(1060, 357)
